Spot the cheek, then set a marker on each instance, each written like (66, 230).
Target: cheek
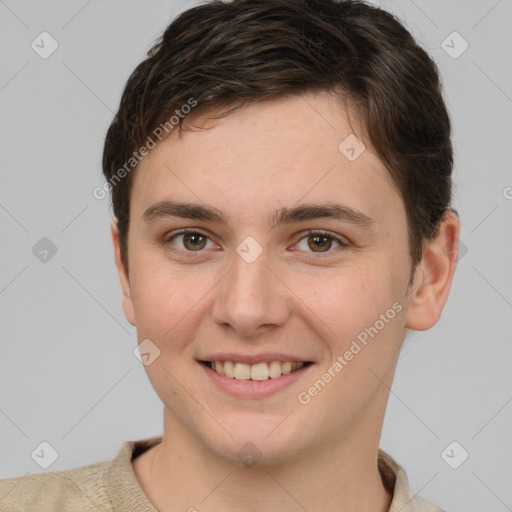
(362, 306)
(347, 298)
(367, 322)
(165, 300)
(167, 307)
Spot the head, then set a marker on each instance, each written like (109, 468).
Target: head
(244, 109)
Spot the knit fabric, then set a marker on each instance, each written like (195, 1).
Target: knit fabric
(112, 486)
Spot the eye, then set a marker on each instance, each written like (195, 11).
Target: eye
(191, 240)
(319, 242)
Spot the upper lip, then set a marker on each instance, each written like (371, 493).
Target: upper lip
(253, 358)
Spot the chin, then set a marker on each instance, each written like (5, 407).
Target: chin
(256, 443)
(254, 454)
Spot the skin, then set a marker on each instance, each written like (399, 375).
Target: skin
(291, 299)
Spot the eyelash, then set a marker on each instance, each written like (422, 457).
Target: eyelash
(311, 232)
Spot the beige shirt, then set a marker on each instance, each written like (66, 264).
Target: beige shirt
(112, 486)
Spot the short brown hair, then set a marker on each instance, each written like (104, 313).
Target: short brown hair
(229, 54)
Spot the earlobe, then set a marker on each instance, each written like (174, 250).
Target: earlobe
(434, 275)
(123, 274)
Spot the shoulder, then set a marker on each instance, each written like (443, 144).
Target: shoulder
(396, 482)
(104, 486)
(76, 489)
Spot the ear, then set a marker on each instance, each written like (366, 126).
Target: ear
(433, 276)
(123, 274)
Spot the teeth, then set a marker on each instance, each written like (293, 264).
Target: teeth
(242, 371)
(287, 367)
(219, 368)
(275, 370)
(229, 368)
(259, 371)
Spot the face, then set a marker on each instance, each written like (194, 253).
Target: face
(294, 252)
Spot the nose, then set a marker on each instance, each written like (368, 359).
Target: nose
(251, 298)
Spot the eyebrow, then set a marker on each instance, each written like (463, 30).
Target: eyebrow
(165, 209)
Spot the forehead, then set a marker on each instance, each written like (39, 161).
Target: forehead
(271, 154)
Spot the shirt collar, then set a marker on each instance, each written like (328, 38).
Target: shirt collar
(127, 495)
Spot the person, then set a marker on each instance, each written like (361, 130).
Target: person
(280, 173)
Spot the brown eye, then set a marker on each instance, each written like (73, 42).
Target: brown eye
(194, 241)
(188, 241)
(318, 243)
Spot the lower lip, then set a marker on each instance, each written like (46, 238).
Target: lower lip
(254, 388)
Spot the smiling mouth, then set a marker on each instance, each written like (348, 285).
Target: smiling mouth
(259, 371)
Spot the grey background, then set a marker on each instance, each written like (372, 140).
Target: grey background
(68, 375)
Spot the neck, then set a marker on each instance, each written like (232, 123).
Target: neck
(182, 474)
